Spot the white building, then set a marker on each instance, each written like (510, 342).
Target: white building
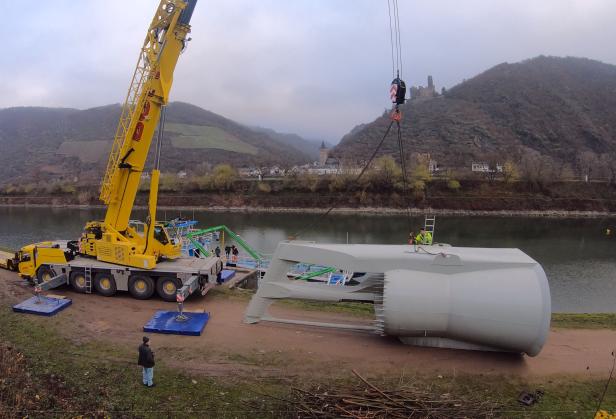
(249, 172)
(483, 167)
(276, 171)
(323, 171)
(433, 166)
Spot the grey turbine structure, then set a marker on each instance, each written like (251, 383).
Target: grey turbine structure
(441, 296)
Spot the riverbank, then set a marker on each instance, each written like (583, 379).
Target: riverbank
(382, 211)
(558, 199)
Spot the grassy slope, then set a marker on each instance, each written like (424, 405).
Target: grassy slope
(106, 377)
(103, 377)
(201, 136)
(584, 320)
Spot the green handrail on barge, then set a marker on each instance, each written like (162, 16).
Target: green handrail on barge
(309, 275)
(193, 234)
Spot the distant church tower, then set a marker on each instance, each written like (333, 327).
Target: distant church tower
(323, 152)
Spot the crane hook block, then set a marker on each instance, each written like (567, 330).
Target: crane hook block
(396, 115)
(397, 91)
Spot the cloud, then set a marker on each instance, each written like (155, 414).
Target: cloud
(315, 67)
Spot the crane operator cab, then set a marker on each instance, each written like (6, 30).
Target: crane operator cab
(136, 246)
(160, 232)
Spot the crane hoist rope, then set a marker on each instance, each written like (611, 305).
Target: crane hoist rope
(397, 94)
(394, 37)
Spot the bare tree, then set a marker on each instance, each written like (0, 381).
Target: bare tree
(493, 161)
(586, 163)
(607, 165)
(385, 173)
(510, 171)
(565, 172)
(531, 167)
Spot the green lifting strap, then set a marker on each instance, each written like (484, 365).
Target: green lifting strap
(192, 237)
(310, 275)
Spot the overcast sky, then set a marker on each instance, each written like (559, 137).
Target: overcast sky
(313, 67)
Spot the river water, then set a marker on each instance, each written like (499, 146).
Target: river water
(579, 260)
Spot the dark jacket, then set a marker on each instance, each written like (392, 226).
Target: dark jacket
(146, 356)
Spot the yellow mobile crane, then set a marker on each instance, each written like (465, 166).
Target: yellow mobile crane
(114, 241)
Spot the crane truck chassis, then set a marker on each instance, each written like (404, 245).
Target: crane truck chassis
(64, 265)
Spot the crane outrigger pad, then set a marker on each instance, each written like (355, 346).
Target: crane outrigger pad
(42, 306)
(167, 322)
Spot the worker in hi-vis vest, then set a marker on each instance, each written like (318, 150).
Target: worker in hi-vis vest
(424, 237)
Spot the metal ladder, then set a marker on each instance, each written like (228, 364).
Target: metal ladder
(88, 277)
(430, 224)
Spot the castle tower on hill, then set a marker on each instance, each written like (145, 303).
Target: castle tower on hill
(421, 92)
(323, 153)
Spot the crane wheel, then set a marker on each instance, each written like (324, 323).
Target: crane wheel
(78, 281)
(44, 274)
(141, 286)
(105, 284)
(167, 288)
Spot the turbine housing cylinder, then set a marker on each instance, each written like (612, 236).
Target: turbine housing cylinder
(505, 309)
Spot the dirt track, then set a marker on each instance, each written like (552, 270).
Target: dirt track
(228, 346)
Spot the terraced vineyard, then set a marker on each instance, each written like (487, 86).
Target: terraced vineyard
(200, 136)
(54, 142)
(86, 151)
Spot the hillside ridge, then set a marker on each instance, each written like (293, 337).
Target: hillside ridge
(555, 109)
(42, 143)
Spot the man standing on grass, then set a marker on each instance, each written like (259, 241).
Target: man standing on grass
(146, 360)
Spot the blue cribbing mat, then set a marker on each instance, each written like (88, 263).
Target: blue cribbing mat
(226, 274)
(43, 306)
(165, 322)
